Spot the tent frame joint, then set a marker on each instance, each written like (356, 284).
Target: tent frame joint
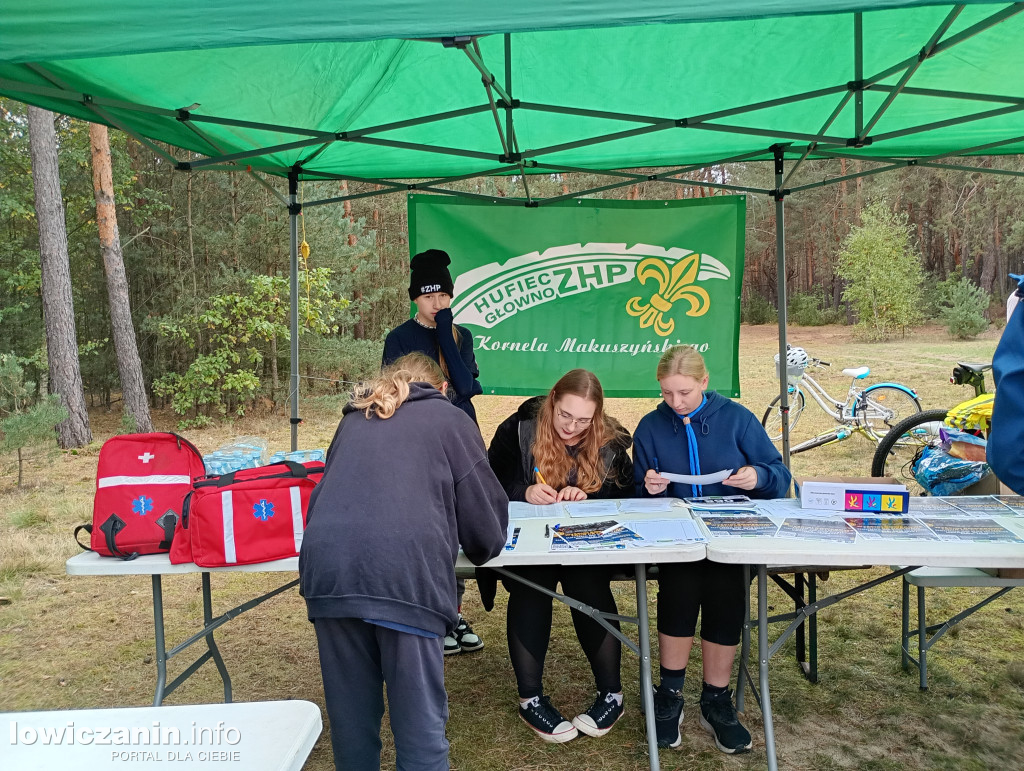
(859, 142)
(457, 41)
(511, 158)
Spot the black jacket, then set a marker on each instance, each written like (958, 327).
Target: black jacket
(513, 463)
(397, 498)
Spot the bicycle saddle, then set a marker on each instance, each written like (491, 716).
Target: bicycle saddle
(858, 372)
(977, 369)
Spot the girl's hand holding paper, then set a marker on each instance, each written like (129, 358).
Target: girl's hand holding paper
(744, 478)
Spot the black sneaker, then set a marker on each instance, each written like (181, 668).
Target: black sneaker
(668, 716)
(599, 719)
(547, 721)
(469, 640)
(451, 645)
(718, 718)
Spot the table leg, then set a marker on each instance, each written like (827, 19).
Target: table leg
(905, 635)
(801, 632)
(161, 651)
(741, 676)
(210, 642)
(646, 676)
(763, 647)
(812, 628)
(922, 639)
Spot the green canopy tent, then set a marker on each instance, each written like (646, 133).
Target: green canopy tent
(387, 91)
(391, 90)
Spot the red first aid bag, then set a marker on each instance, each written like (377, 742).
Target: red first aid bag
(141, 484)
(251, 515)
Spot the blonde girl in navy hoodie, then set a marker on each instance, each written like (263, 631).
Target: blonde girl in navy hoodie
(696, 431)
(407, 481)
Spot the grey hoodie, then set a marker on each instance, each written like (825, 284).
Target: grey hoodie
(397, 498)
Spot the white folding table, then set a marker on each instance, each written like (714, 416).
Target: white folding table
(256, 736)
(158, 565)
(764, 551)
(533, 548)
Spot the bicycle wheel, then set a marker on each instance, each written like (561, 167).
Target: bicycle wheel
(882, 407)
(772, 420)
(899, 447)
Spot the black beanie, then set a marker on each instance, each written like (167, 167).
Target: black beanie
(430, 274)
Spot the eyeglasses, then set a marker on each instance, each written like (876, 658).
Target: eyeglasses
(566, 417)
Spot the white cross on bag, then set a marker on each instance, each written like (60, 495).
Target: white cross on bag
(146, 457)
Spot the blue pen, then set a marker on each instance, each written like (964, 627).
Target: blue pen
(656, 469)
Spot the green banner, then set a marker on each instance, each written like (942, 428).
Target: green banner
(603, 285)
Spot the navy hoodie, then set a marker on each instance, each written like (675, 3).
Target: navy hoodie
(397, 498)
(728, 436)
(1006, 439)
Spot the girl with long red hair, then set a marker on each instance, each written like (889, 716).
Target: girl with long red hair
(563, 447)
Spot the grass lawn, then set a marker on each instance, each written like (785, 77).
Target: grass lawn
(88, 642)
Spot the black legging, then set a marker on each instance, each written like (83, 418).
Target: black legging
(529, 624)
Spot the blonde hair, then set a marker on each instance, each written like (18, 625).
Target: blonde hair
(682, 360)
(548, 449)
(388, 391)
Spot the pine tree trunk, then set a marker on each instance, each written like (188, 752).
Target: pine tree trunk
(129, 365)
(58, 307)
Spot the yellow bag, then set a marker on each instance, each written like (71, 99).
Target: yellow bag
(972, 415)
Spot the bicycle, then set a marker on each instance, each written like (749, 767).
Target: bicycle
(871, 411)
(898, 450)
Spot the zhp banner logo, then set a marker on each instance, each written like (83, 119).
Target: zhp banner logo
(492, 293)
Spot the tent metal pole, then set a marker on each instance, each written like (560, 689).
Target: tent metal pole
(293, 286)
(780, 262)
(858, 73)
(255, 153)
(926, 52)
(663, 126)
(950, 122)
(415, 146)
(953, 40)
(846, 177)
(508, 84)
(449, 114)
(584, 113)
(810, 148)
(971, 169)
(755, 106)
(794, 135)
(943, 94)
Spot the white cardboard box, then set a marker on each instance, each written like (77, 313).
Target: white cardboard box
(830, 493)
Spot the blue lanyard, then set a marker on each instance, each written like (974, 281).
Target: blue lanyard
(691, 442)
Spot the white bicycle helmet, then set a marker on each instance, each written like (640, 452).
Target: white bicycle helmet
(797, 357)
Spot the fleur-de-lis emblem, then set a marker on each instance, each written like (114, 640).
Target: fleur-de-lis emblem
(675, 283)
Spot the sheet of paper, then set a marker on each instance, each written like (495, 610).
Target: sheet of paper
(608, 534)
(973, 529)
(721, 502)
(598, 508)
(738, 527)
(833, 530)
(665, 532)
(785, 507)
(699, 479)
(890, 529)
(647, 505)
(979, 505)
(522, 510)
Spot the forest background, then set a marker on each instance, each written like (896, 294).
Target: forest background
(206, 255)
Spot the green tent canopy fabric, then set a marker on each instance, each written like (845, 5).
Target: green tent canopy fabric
(389, 90)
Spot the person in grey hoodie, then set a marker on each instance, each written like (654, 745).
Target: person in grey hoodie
(407, 480)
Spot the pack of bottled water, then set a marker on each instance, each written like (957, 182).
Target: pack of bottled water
(299, 456)
(241, 453)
